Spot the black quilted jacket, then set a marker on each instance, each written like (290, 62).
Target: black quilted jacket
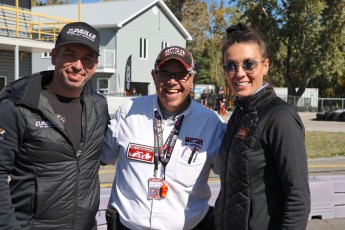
(52, 186)
(263, 167)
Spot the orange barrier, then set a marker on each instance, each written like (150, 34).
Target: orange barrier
(222, 110)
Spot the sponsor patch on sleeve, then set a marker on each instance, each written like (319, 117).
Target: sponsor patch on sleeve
(242, 133)
(140, 153)
(2, 132)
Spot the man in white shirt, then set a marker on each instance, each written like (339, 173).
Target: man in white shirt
(165, 146)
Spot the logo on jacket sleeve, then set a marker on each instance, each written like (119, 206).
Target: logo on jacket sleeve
(140, 152)
(242, 133)
(2, 132)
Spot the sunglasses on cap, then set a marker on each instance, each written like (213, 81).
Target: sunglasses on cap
(248, 66)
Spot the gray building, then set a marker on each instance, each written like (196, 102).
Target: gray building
(132, 34)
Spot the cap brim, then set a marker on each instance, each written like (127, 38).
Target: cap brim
(188, 67)
(77, 42)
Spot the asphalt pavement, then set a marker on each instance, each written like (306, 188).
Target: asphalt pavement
(316, 167)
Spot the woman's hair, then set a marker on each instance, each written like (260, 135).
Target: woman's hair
(242, 33)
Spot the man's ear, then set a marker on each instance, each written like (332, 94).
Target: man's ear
(195, 77)
(54, 51)
(266, 65)
(153, 74)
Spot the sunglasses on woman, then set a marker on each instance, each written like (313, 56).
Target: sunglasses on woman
(249, 66)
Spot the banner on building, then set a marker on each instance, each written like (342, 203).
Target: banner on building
(128, 75)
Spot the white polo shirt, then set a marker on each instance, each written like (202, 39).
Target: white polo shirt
(130, 137)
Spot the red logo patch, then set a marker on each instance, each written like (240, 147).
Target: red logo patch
(140, 153)
(242, 133)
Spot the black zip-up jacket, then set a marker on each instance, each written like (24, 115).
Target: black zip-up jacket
(263, 167)
(52, 186)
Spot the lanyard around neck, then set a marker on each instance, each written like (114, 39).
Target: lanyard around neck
(163, 152)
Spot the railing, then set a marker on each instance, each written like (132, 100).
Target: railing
(107, 59)
(331, 104)
(20, 23)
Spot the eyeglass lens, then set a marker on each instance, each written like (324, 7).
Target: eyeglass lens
(177, 76)
(247, 65)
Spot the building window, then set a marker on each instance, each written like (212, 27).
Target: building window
(2, 82)
(103, 85)
(165, 44)
(47, 38)
(143, 48)
(47, 55)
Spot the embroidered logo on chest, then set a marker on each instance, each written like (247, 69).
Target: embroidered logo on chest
(140, 152)
(193, 141)
(44, 124)
(242, 133)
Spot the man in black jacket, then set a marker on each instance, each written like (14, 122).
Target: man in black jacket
(51, 134)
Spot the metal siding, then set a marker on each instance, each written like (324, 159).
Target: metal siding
(25, 66)
(107, 39)
(7, 65)
(39, 64)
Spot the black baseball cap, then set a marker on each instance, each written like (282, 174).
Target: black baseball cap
(178, 53)
(79, 33)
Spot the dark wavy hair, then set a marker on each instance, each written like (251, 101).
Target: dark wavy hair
(242, 33)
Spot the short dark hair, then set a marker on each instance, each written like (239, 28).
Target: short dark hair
(242, 33)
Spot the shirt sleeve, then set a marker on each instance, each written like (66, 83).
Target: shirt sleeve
(110, 151)
(289, 152)
(11, 131)
(217, 140)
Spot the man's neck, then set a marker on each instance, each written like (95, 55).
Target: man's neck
(168, 114)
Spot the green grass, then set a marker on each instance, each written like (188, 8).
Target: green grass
(325, 144)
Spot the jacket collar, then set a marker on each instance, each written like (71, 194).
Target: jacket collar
(257, 99)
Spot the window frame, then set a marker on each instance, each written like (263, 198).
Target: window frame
(99, 89)
(143, 48)
(164, 44)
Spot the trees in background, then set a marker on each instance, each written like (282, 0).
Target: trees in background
(305, 39)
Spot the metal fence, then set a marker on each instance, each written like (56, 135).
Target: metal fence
(305, 103)
(331, 104)
(302, 104)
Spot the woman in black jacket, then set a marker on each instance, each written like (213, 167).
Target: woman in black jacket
(263, 165)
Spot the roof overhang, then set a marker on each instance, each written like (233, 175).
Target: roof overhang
(27, 45)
